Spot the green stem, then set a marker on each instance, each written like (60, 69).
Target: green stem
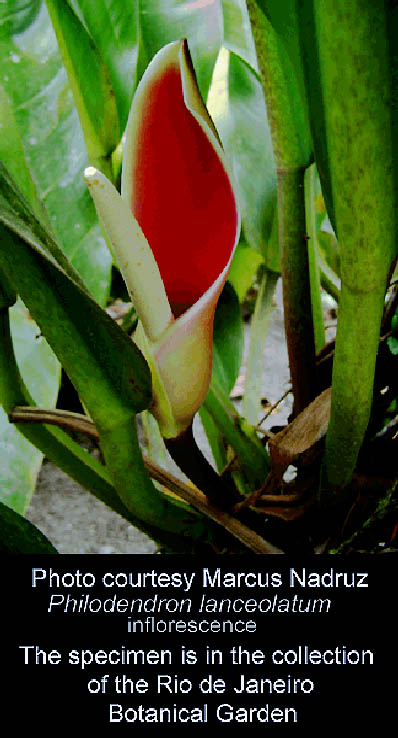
(292, 156)
(296, 286)
(195, 466)
(252, 456)
(352, 385)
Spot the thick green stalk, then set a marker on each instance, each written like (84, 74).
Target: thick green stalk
(353, 57)
(296, 286)
(357, 341)
(292, 155)
(195, 466)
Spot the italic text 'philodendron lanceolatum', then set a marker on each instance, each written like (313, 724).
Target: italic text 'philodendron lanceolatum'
(173, 231)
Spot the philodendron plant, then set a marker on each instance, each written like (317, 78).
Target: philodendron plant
(270, 152)
(173, 232)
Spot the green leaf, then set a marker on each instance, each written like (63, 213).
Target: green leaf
(215, 439)
(169, 20)
(252, 456)
(251, 405)
(19, 536)
(20, 460)
(12, 153)
(129, 35)
(113, 27)
(228, 339)
(17, 15)
(91, 85)
(309, 49)
(236, 104)
(394, 325)
(392, 342)
(48, 154)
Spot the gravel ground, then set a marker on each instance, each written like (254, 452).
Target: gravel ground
(77, 523)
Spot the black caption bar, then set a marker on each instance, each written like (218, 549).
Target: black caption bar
(145, 642)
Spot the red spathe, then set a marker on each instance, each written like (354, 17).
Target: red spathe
(181, 194)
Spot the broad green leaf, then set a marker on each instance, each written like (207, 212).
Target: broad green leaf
(87, 73)
(19, 536)
(129, 35)
(49, 142)
(113, 26)
(20, 461)
(237, 106)
(13, 155)
(16, 212)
